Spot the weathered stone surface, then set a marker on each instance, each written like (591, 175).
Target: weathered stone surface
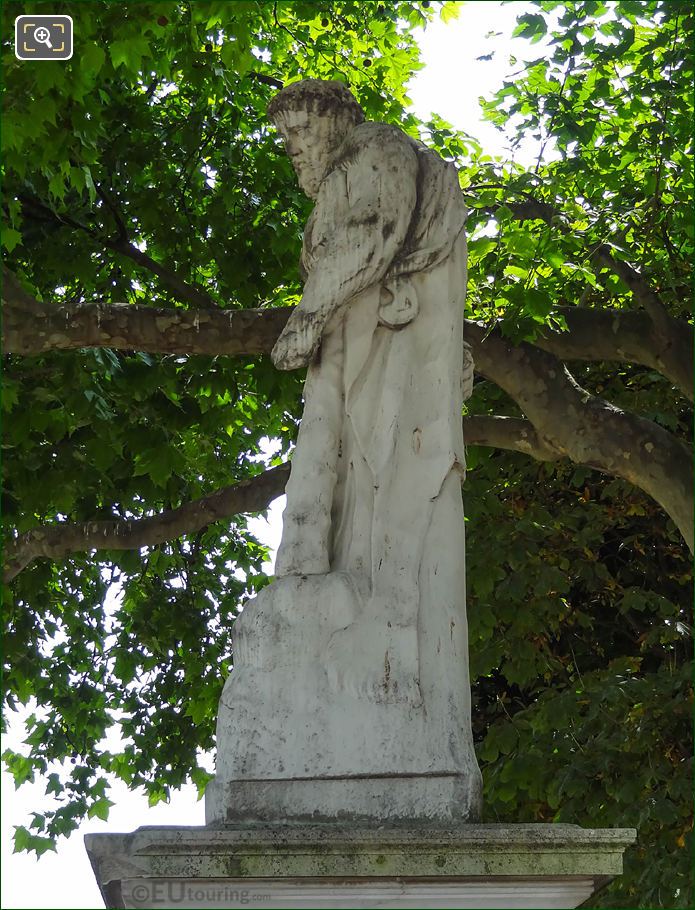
(354, 662)
(315, 744)
(391, 798)
(346, 866)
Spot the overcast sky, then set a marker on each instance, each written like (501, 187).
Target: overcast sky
(450, 85)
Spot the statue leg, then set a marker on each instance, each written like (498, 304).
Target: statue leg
(306, 532)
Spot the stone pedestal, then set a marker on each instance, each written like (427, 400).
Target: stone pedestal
(313, 724)
(329, 865)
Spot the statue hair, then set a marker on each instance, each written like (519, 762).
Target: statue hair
(322, 97)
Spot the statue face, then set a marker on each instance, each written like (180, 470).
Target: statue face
(310, 142)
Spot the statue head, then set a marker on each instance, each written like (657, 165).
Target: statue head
(314, 117)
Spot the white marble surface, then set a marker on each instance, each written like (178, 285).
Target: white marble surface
(354, 662)
(556, 892)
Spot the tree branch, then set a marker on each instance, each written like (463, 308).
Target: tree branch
(180, 288)
(266, 80)
(585, 428)
(512, 433)
(567, 419)
(113, 208)
(33, 328)
(640, 288)
(253, 495)
(56, 540)
(528, 210)
(627, 336)
(665, 328)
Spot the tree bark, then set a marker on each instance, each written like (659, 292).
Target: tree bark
(30, 327)
(34, 328)
(511, 433)
(626, 336)
(640, 288)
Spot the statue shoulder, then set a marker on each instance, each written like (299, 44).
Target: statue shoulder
(380, 142)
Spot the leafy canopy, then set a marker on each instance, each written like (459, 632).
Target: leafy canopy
(579, 590)
(153, 139)
(147, 161)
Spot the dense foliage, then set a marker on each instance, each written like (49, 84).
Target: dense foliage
(582, 622)
(144, 171)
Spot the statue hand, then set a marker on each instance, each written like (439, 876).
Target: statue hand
(298, 341)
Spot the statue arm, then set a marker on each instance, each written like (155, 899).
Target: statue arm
(382, 192)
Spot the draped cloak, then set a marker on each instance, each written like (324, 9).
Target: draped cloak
(382, 429)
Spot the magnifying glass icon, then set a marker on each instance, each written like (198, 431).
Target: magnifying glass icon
(43, 36)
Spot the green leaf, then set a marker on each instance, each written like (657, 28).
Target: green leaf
(100, 809)
(554, 257)
(56, 186)
(229, 53)
(54, 785)
(44, 109)
(156, 795)
(20, 767)
(89, 183)
(25, 841)
(201, 779)
(530, 25)
(537, 303)
(482, 246)
(449, 11)
(129, 52)
(515, 271)
(10, 238)
(93, 57)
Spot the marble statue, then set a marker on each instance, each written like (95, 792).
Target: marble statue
(349, 696)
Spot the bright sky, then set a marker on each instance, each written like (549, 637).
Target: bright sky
(450, 84)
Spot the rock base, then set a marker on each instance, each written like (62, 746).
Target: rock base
(332, 865)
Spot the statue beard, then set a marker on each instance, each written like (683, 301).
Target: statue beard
(310, 174)
(313, 145)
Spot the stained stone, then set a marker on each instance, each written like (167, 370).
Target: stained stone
(334, 865)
